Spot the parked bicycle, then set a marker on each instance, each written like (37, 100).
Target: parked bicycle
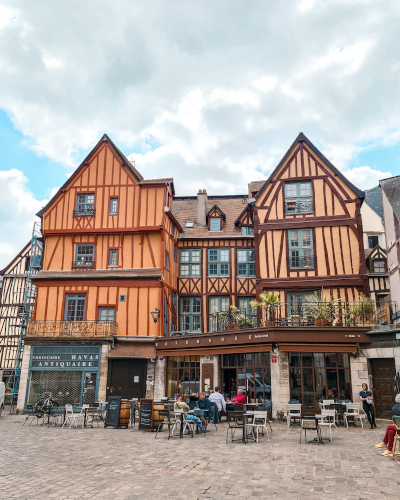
(46, 405)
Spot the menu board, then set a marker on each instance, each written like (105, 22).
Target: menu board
(146, 415)
(112, 415)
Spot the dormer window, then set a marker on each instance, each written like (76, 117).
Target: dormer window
(247, 231)
(189, 223)
(215, 224)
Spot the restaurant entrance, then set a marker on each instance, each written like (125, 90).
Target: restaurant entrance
(127, 378)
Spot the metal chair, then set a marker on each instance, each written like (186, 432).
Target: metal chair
(352, 410)
(74, 417)
(329, 421)
(338, 407)
(294, 411)
(165, 419)
(32, 413)
(268, 410)
(309, 423)
(235, 421)
(259, 421)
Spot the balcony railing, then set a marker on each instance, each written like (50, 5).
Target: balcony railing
(83, 263)
(71, 328)
(301, 262)
(83, 210)
(298, 207)
(314, 314)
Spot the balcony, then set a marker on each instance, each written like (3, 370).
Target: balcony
(85, 264)
(84, 210)
(298, 207)
(70, 329)
(301, 262)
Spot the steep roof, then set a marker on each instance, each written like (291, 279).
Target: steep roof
(255, 186)
(391, 188)
(121, 156)
(373, 197)
(184, 209)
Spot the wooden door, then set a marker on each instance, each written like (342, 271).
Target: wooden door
(207, 377)
(383, 373)
(126, 378)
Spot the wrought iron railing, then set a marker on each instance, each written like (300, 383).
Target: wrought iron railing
(84, 210)
(71, 328)
(350, 314)
(83, 263)
(301, 262)
(298, 207)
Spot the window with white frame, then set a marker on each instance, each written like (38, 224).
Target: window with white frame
(218, 263)
(113, 206)
(113, 258)
(247, 231)
(298, 197)
(189, 263)
(107, 313)
(246, 267)
(215, 224)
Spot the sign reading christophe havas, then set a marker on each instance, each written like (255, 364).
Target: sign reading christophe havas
(65, 361)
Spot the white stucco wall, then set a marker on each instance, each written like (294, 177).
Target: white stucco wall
(372, 225)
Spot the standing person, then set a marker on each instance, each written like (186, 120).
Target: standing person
(180, 405)
(390, 430)
(368, 405)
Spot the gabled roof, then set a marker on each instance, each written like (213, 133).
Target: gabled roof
(255, 186)
(18, 256)
(121, 156)
(216, 207)
(391, 188)
(373, 197)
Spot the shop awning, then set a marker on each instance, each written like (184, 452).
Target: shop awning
(215, 350)
(318, 347)
(125, 350)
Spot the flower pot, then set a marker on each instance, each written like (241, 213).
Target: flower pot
(270, 323)
(232, 326)
(321, 322)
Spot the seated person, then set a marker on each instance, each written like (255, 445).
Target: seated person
(193, 398)
(180, 405)
(217, 398)
(330, 394)
(390, 431)
(204, 404)
(239, 399)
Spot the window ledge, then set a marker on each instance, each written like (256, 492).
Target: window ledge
(215, 276)
(113, 214)
(113, 267)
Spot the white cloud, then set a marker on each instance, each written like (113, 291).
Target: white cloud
(365, 177)
(17, 214)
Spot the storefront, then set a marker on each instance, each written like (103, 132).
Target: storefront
(70, 373)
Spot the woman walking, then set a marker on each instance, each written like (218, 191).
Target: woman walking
(368, 405)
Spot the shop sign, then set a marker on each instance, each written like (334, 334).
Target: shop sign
(64, 358)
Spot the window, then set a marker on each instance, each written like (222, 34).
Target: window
(84, 205)
(191, 314)
(166, 260)
(373, 241)
(75, 305)
(247, 231)
(113, 206)
(106, 313)
(189, 265)
(183, 375)
(298, 197)
(244, 303)
(245, 263)
(189, 223)
(379, 266)
(217, 305)
(215, 224)
(296, 303)
(84, 256)
(301, 249)
(172, 230)
(218, 263)
(175, 253)
(113, 258)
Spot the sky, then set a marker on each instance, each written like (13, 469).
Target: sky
(210, 93)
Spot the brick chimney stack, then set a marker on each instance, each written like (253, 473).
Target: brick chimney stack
(201, 207)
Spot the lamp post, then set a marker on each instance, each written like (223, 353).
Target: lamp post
(155, 315)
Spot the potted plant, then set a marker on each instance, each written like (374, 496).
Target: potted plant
(270, 302)
(320, 309)
(362, 310)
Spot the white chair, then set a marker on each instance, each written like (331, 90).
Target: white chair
(329, 421)
(259, 422)
(352, 410)
(74, 417)
(294, 411)
(177, 421)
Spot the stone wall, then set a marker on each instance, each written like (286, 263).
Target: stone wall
(359, 375)
(105, 348)
(23, 381)
(159, 387)
(214, 359)
(280, 382)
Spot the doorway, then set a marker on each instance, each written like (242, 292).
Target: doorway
(127, 378)
(383, 373)
(229, 382)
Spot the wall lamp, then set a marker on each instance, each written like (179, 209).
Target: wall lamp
(155, 315)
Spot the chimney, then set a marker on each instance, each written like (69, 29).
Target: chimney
(201, 207)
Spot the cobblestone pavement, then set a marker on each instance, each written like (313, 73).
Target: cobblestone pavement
(55, 463)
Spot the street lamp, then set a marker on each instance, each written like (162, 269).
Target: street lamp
(155, 315)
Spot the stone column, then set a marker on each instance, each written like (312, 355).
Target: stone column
(396, 352)
(160, 389)
(214, 359)
(280, 382)
(359, 376)
(23, 380)
(101, 396)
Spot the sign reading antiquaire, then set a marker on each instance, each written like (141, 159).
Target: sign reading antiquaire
(66, 357)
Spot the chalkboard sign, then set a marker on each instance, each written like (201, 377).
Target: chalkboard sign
(146, 415)
(112, 415)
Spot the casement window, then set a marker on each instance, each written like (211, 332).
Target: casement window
(373, 240)
(191, 314)
(113, 258)
(217, 305)
(75, 305)
(215, 224)
(106, 313)
(246, 267)
(172, 230)
(113, 206)
(296, 302)
(301, 254)
(166, 260)
(84, 205)
(298, 197)
(175, 253)
(84, 256)
(218, 263)
(244, 304)
(189, 263)
(379, 266)
(247, 231)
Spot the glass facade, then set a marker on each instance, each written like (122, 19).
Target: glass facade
(316, 376)
(183, 375)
